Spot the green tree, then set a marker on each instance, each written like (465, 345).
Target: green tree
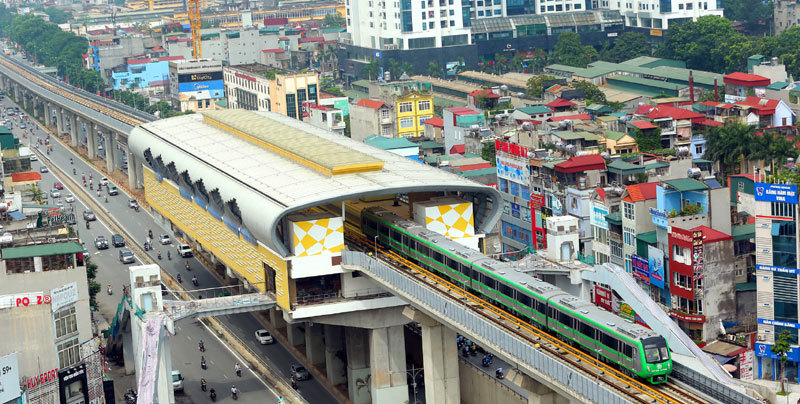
(699, 43)
(592, 93)
(333, 21)
(571, 52)
(347, 126)
(781, 348)
(488, 153)
(727, 145)
(371, 70)
(58, 16)
(627, 46)
(535, 86)
(434, 70)
(647, 142)
(94, 287)
(755, 14)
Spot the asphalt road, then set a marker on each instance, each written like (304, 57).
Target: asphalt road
(186, 357)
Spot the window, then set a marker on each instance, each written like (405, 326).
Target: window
(385, 131)
(628, 210)
(629, 236)
(782, 209)
(698, 149)
(406, 123)
(66, 323)
(423, 119)
(68, 353)
(384, 114)
(423, 106)
(616, 249)
(404, 107)
(740, 185)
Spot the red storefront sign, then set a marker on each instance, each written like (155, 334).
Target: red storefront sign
(244, 76)
(698, 263)
(602, 297)
(680, 243)
(511, 148)
(687, 317)
(42, 378)
(537, 201)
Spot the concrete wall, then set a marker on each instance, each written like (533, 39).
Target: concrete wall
(719, 296)
(719, 199)
(359, 285)
(363, 122)
(478, 387)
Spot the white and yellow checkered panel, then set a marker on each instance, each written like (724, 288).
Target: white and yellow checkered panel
(242, 257)
(454, 221)
(317, 236)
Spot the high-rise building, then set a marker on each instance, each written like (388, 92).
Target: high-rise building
(195, 84)
(659, 14)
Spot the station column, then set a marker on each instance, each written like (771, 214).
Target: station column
(439, 359)
(111, 152)
(73, 129)
(91, 139)
(60, 120)
(387, 350)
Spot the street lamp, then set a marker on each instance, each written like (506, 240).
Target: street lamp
(375, 241)
(597, 364)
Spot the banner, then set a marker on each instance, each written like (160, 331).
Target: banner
(698, 261)
(626, 311)
(640, 268)
(63, 296)
(598, 218)
(776, 193)
(513, 168)
(746, 365)
(9, 378)
(602, 297)
(147, 379)
(656, 265)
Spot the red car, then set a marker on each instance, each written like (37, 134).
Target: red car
(58, 185)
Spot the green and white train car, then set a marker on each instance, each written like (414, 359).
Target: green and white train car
(637, 350)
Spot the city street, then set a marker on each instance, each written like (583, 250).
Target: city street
(186, 357)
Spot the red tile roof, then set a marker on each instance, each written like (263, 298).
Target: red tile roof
(28, 176)
(374, 104)
(644, 109)
(717, 104)
(749, 176)
(762, 106)
(747, 80)
(581, 163)
(712, 236)
(641, 192)
(710, 122)
(666, 111)
(272, 50)
(435, 122)
(644, 125)
(560, 103)
(158, 48)
(554, 88)
(582, 117)
(486, 92)
(458, 149)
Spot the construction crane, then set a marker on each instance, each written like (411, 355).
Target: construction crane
(194, 22)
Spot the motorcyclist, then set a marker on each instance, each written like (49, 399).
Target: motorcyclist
(159, 254)
(234, 392)
(149, 234)
(201, 346)
(194, 280)
(203, 362)
(188, 268)
(203, 383)
(109, 289)
(179, 279)
(213, 395)
(169, 257)
(70, 160)
(87, 225)
(238, 370)
(499, 373)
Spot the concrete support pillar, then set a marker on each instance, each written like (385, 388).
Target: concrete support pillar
(388, 365)
(334, 351)
(60, 120)
(17, 93)
(132, 167)
(74, 130)
(48, 114)
(440, 361)
(295, 334)
(111, 152)
(25, 104)
(275, 315)
(538, 393)
(91, 139)
(315, 343)
(358, 370)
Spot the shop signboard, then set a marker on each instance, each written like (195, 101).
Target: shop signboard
(9, 378)
(602, 297)
(640, 268)
(655, 258)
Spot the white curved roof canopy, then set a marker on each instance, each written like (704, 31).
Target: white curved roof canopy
(268, 186)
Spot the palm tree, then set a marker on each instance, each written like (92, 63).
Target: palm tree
(728, 145)
(371, 70)
(434, 70)
(36, 193)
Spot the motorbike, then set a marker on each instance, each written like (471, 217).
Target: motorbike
(159, 255)
(213, 395)
(73, 171)
(473, 350)
(130, 397)
(87, 225)
(201, 346)
(136, 208)
(235, 393)
(294, 383)
(195, 282)
(487, 361)
(149, 234)
(203, 384)
(188, 267)
(203, 364)
(109, 290)
(239, 372)
(179, 279)
(169, 256)
(499, 373)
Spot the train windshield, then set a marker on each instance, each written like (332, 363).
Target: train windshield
(655, 350)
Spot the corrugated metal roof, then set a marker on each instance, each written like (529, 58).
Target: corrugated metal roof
(743, 232)
(686, 184)
(319, 154)
(41, 250)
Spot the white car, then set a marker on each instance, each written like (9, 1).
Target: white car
(263, 337)
(34, 158)
(70, 199)
(104, 181)
(184, 250)
(165, 239)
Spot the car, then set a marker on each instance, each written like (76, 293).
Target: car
(57, 185)
(88, 216)
(43, 169)
(117, 241)
(132, 203)
(177, 380)
(54, 193)
(60, 204)
(69, 199)
(126, 256)
(101, 243)
(184, 250)
(112, 190)
(22, 125)
(263, 337)
(34, 158)
(11, 113)
(299, 372)
(104, 181)
(165, 239)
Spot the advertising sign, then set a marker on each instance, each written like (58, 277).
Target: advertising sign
(73, 385)
(9, 378)
(598, 218)
(602, 297)
(64, 295)
(201, 86)
(626, 311)
(776, 193)
(763, 351)
(746, 365)
(691, 318)
(782, 270)
(698, 261)
(513, 168)
(208, 76)
(24, 300)
(537, 201)
(640, 268)
(779, 323)
(201, 95)
(656, 265)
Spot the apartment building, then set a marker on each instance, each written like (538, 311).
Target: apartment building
(371, 117)
(513, 182)
(411, 101)
(195, 84)
(786, 14)
(258, 87)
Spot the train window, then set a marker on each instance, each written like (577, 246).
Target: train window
(490, 282)
(540, 307)
(437, 256)
(506, 290)
(587, 330)
(451, 263)
(627, 350)
(551, 312)
(565, 319)
(609, 341)
(372, 224)
(423, 249)
(383, 230)
(524, 299)
(396, 236)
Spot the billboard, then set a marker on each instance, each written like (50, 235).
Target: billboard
(9, 378)
(598, 218)
(207, 76)
(63, 296)
(640, 268)
(513, 168)
(698, 261)
(763, 351)
(656, 266)
(776, 193)
(602, 297)
(201, 90)
(746, 365)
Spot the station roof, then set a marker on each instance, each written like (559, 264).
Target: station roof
(273, 165)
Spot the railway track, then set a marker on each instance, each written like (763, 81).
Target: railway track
(120, 112)
(636, 390)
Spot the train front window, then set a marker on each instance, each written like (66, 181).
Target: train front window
(656, 352)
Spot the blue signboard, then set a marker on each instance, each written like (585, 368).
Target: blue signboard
(763, 350)
(201, 86)
(640, 268)
(656, 266)
(776, 193)
(782, 270)
(786, 324)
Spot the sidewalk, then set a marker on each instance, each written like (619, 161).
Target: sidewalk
(769, 389)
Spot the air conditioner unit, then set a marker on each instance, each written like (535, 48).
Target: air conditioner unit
(760, 338)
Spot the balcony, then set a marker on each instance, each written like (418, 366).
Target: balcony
(690, 221)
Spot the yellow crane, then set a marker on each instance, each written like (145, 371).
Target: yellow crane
(194, 22)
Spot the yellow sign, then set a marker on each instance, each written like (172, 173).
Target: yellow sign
(656, 32)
